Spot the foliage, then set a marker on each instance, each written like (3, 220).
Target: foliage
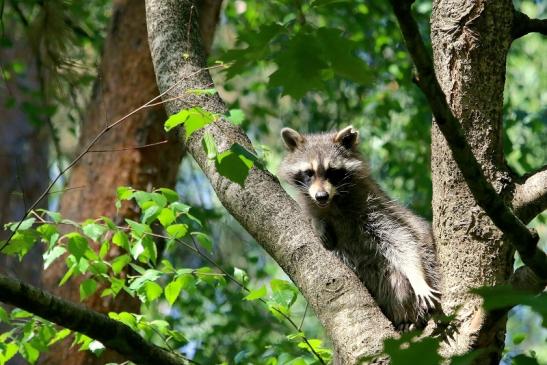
(310, 65)
(139, 272)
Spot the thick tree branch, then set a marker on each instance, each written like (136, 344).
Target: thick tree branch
(530, 198)
(522, 25)
(524, 240)
(113, 334)
(341, 302)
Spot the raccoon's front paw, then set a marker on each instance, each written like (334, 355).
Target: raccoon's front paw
(427, 297)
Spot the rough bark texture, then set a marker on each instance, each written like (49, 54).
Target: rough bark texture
(347, 311)
(126, 81)
(470, 43)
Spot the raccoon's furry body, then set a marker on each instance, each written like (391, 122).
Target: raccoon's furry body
(388, 247)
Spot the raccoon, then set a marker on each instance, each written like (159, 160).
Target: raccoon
(387, 246)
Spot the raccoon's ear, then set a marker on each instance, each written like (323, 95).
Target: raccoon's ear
(292, 138)
(347, 137)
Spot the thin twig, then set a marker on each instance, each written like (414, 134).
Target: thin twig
(304, 316)
(92, 143)
(130, 148)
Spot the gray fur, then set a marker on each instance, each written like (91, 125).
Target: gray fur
(389, 248)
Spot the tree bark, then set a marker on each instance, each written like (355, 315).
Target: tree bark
(470, 44)
(126, 81)
(347, 311)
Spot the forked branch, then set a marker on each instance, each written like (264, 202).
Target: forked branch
(524, 240)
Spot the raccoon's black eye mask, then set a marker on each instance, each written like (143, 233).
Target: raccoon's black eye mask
(336, 176)
(302, 178)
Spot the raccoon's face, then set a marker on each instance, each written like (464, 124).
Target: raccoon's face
(321, 166)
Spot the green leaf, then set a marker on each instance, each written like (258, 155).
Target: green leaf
(150, 214)
(504, 296)
(468, 358)
(236, 116)
(103, 250)
(120, 239)
(408, 350)
(3, 316)
(235, 163)
(169, 194)
(209, 146)
(120, 262)
(77, 244)
(137, 228)
(26, 224)
(54, 216)
(52, 255)
(204, 240)
(18, 313)
(166, 217)
(21, 243)
(9, 352)
(241, 276)
(149, 275)
(180, 207)
(153, 291)
(67, 275)
(172, 290)
(124, 192)
(299, 65)
(338, 51)
(177, 230)
(47, 231)
(283, 292)
(87, 288)
(257, 293)
(193, 118)
(59, 336)
(94, 231)
(96, 347)
(29, 352)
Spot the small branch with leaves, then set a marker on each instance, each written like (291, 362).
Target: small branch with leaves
(111, 333)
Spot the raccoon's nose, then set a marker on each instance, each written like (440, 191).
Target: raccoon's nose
(322, 196)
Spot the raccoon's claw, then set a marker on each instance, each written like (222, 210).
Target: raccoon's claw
(406, 327)
(428, 298)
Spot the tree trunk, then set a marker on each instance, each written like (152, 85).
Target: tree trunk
(470, 44)
(126, 81)
(345, 308)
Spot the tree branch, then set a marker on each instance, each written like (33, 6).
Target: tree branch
(522, 25)
(530, 198)
(486, 197)
(113, 334)
(343, 305)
